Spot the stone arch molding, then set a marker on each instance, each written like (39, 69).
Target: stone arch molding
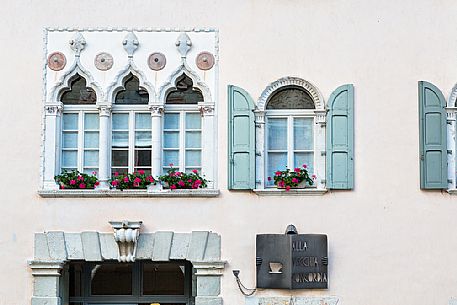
(291, 81)
(64, 82)
(453, 97)
(53, 250)
(171, 82)
(117, 84)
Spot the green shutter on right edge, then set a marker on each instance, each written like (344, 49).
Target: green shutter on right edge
(241, 167)
(340, 139)
(432, 137)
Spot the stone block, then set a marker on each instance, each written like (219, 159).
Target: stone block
(213, 248)
(209, 285)
(46, 286)
(180, 246)
(46, 301)
(145, 246)
(316, 300)
(91, 246)
(108, 246)
(74, 246)
(41, 247)
(208, 301)
(56, 246)
(162, 246)
(197, 246)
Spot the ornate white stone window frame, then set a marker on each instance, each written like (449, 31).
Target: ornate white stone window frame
(319, 136)
(54, 250)
(451, 113)
(105, 103)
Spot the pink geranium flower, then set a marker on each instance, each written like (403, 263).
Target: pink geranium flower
(82, 186)
(150, 179)
(294, 180)
(136, 180)
(278, 173)
(116, 174)
(305, 166)
(171, 164)
(297, 170)
(287, 188)
(94, 173)
(314, 177)
(114, 183)
(190, 180)
(141, 172)
(181, 183)
(195, 171)
(97, 183)
(135, 184)
(80, 178)
(126, 179)
(172, 186)
(269, 178)
(281, 183)
(72, 182)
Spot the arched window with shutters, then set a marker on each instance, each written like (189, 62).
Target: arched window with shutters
(79, 127)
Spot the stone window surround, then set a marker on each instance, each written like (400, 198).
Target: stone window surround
(53, 110)
(319, 139)
(53, 250)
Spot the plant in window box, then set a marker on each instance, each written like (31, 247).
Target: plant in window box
(76, 180)
(298, 178)
(135, 180)
(175, 179)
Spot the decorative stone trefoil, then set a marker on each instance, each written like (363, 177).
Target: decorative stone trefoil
(184, 44)
(130, 44)
(126, 234)
(78, 43)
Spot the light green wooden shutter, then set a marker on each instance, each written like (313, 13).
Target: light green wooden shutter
(340, 139)
(241, 140)
(432, 141)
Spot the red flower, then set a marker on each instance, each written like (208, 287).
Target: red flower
(72, 182)
(136, 180)
(141, 172)
(114, 183)
(80, 178)
(287, 188)
(198, 182)
(126, 179)
(181, 183)
(281, 183)
(97, 183)
(172, 186)
(278, 173)
(94, 173)
(171, 164)
(269, 178)
(150, 179)
(297, 170)
(190, 180)
(195, 171)
(116, 174)
(294, 180)
(136, 184)
(82, 186)
(62, 186)
(305, 166)
(314, 177)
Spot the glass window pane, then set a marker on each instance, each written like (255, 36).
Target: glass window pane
(193, 121)
(143, 139)
(277, 134)
(193, 158)
(171, 121)
(111, 279)
(120, 121)
(70, 140)
(142, 158)
(120, 157)
(90, 158)
(69, 158)
(70, 121)
(171, 156)
(163, 279)
(91, 121)
(193, 139)
(303, 133)
(276, 161)
(76, 277)
(120, 171)
(147, 171)
(305, 158)
(120, 139)
(171, 139)
(90, 171)
(143, 121)
(91, 139)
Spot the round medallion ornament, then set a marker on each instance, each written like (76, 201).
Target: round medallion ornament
(205, 61)
(56, 61)
(103, 61)
(157, 61)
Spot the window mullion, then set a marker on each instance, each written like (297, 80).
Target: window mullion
(131, 141)
(182, 141)
(81, 140)
(290, 142)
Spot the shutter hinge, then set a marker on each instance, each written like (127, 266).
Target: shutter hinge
(323, 153)
(449, 122)
(258, 153)
(449, 152)
(323, 181)
(422, 157)
(449, 180)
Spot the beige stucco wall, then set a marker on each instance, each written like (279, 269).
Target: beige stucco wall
(390, 243)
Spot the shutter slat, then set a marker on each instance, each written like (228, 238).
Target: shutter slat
(432, 130)
(241, 140)
(340, 139)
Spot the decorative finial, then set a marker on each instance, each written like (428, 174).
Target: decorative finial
(130, 43)
(184, 44)
(78, 43)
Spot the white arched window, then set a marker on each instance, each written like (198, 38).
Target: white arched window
(182, 127)
(79, 127)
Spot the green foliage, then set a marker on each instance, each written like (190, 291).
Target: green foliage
(136, 180)
(288, 179)
(76, 180)
(179, 180)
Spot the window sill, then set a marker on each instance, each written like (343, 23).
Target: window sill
(291, 192)
(452, 191)
(127, 193)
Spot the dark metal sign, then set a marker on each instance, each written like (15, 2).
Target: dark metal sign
(292, 261)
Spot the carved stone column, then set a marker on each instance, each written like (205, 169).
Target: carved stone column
(156, 135)
(208, 142)
(319, 167)
(451, 146)
(260, 149)
(208, 275)
(105, 134)
(46, 282)
(52, 145)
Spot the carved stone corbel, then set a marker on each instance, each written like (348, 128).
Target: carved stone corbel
(126, 234)
(259, 118)
(156, 110)
(206, 110)
(321, 117)
(104, 110)
(53, 109)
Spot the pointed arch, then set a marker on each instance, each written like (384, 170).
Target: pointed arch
(171, 83)
(118, 83)
(64, 83)
(453, 97)
(281, 83)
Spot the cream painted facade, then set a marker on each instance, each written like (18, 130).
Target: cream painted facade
(389, 241)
